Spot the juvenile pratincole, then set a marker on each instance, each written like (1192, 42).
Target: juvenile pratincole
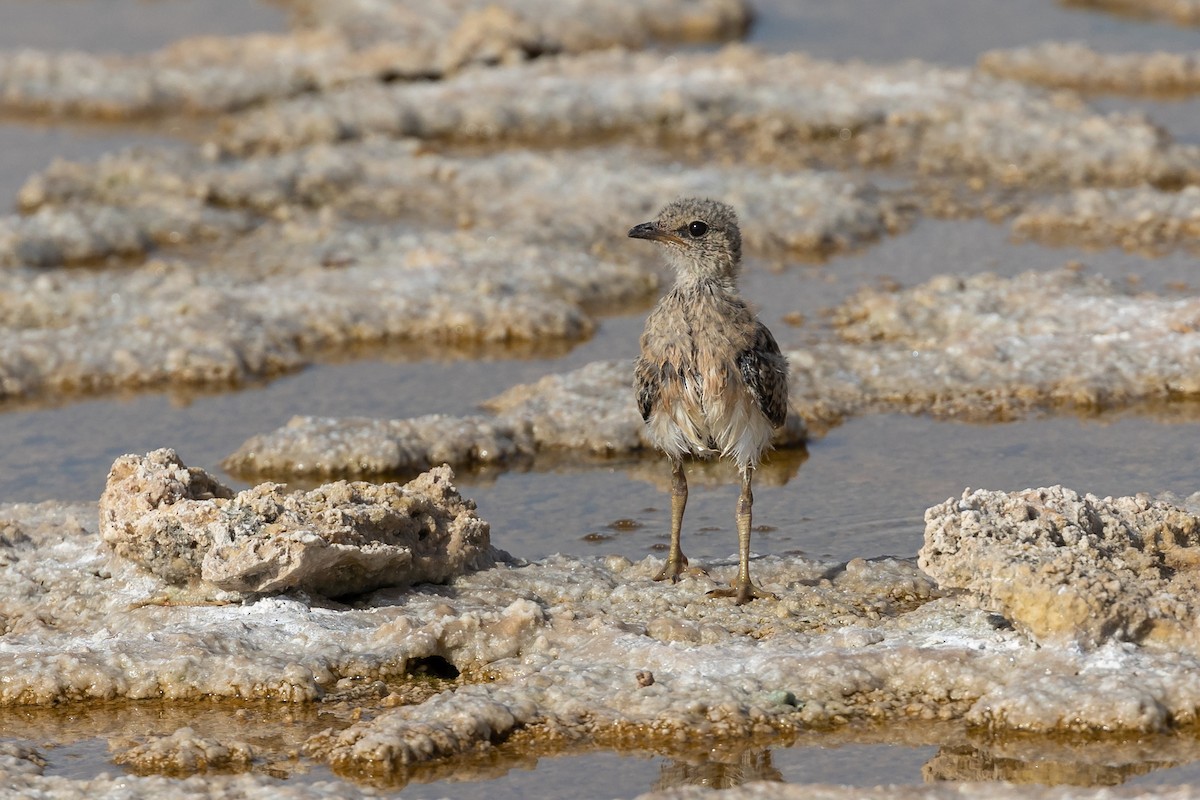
(710, 379)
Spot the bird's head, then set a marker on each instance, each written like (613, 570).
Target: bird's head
(701, 236)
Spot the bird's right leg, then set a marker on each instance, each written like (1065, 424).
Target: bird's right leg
(744, 590)
(676, 560)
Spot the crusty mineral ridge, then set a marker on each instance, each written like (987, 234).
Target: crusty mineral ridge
(341, 538)
(546, 25)
(341, 42)
(1075, 65)
(561, 643)
(1065, 567)
(990, 347)
(1140, 219)
(272, 302)
(977, 348)
(1184, 12)
(590, 411)
(20, 759)
(936, 120)
(204, 787)
(287, 273)
(78, 625)
(184, 752)
(138, 199)
(91, 232)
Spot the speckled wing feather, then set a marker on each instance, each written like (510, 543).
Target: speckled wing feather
(764, 369)
(645, 384)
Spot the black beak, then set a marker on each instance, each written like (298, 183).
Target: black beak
(648, 230)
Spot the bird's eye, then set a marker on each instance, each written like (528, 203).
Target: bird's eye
(697, 229)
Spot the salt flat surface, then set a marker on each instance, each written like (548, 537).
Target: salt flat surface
(458, 178)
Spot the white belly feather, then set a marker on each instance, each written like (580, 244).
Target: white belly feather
(729, 424)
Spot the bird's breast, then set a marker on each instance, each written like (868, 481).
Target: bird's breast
(692, 341)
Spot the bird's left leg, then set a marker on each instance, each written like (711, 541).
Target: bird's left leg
(676, 560)
(744, 589)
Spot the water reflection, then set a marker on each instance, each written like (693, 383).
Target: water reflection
(971, 764)
(855, 757)
(717, 772)
(88, 738)
(1062, 760)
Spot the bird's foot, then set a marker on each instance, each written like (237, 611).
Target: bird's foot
(743, 592)
(672, 569)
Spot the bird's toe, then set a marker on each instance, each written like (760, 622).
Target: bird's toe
(672, 569)
(743, 593)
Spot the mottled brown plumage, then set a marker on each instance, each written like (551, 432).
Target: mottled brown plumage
(710, 379)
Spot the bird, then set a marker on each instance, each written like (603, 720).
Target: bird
(710, 379)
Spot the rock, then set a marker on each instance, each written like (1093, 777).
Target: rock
(359, 446)
(1076, 569)
(341, 538)
(156, 512)
(346, 538)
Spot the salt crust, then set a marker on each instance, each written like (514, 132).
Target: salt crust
(185, 753)
(1140, 219)
(343, 41)
(938, 121)
(1184, 12)
(990, 347)
(209, 787)
(19, 759)
(588, 411)
(166, 323)
(977, 348)
(562, 642)
(155, 787)
(281, 282)
(129, 202)
(1075, 65)
(1078, 569)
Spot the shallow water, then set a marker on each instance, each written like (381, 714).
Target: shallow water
(948, 31)
(861, 490)
(621, 775)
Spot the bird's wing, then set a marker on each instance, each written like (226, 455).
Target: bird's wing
(764, 370)
(646, 384)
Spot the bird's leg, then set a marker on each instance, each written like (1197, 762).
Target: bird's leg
(676, 560)
(744, 590)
